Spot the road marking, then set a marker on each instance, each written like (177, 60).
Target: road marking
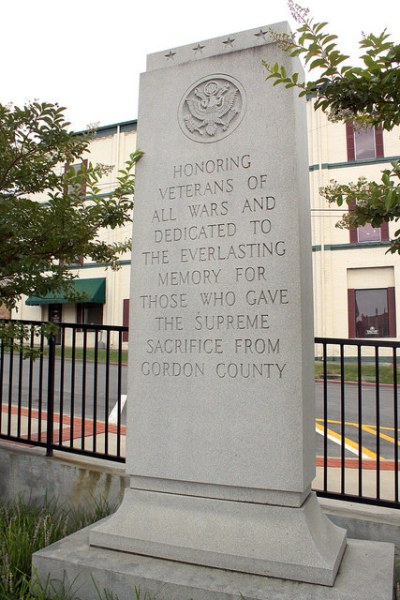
(335, 422)
(113, 417)
(348, 444)
(372, 429)
(352, 424)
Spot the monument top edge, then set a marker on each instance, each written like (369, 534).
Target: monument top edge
(232, 42)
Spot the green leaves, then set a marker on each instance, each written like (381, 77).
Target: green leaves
(279, 74)
(369, 201)
(52, 211)
(369, 94)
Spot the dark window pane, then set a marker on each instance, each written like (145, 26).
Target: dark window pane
(365, 143)
(78, 188)
(55, 316)
(367, 233)
(89, 314)
(371, 312)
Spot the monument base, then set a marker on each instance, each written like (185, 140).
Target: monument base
(275, 541)
(366, 573)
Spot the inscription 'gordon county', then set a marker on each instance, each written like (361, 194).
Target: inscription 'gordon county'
(212, 108)
(182, 343)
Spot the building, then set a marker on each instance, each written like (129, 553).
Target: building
(106, 291)
(356, 284)
(355, 281)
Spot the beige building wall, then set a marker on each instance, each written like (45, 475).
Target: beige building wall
(339, 265)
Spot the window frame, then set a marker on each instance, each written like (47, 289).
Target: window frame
(351, 303)
(81, 166)
(125, 319)
(354, 238)
(351, 157)
(351, 144)
(80, 312)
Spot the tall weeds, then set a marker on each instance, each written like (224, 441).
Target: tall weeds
(28, 527)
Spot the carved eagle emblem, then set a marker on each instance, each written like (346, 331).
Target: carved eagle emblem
(212, 107)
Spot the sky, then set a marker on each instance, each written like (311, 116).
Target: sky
(87, 54)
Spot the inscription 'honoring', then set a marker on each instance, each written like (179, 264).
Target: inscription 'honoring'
(213, 265)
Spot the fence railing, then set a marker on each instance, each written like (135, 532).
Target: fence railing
(65, 391)
(357, 420)
(70, 396)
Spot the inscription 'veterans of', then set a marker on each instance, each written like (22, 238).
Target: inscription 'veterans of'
(237, 292)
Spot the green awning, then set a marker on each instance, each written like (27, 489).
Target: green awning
(91, 291)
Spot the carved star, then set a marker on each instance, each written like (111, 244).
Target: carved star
(170, 55)
(198, 48)
(261, 33)
(229, 41)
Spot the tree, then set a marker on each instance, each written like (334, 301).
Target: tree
(51, 210)
(367, 96)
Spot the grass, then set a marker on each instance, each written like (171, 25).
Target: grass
(368, 371)
(28, 527)
(113, 355)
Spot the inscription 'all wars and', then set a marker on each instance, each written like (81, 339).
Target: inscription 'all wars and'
(200, 219)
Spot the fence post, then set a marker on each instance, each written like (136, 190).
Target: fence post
(50, 394)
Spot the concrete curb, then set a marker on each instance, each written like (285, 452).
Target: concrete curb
(77, 480)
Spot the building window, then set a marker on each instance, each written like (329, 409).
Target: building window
(125, 319)
(372, 313)
(54, 312)
(364, 143)
(89, 313)
(367, 233)
(5, 313)
(80, 189)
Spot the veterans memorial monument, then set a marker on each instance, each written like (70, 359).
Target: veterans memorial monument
(220, 420)
(220, 448)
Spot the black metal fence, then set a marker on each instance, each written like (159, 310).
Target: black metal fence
(67, 392)
(357, 420)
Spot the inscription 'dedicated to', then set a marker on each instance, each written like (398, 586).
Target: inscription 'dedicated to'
(216, 319)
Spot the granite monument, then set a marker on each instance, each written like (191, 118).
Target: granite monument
(220, 448)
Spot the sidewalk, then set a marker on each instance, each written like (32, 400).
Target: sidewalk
(84, 435)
